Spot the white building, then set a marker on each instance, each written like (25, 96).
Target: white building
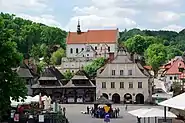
(124, 80)
(92, 43)
(74, 64)
(82, 47)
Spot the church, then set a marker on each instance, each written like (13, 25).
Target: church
(82, 47)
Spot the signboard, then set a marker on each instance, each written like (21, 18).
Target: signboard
(107, 108)
(107, 118)
(41, 118)
(16, 118)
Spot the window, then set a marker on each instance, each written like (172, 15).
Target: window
(112, 84)
(103, 84)
(113, 72)
(95, 48)
(121, 84)
(130, 85)
(71, 50)
(121, 72)
(129, 72)
(76, 50)
(170, 77)
(88, 48)
(175, 78)
(140, 85)
(108, 49)
(87, 54)
(82, 49)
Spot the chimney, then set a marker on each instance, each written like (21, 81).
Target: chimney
(111, 56)
(26, 61)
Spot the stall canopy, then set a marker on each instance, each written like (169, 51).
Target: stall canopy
(176, 102)
(21, 101)
(28, 100)
(151, 112)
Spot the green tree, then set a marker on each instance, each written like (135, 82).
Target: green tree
(172, 52)
(94, 66)
(57, 56)
(10, 84)
(68, 75)
(138, 44)
(156, 55)
(125, 35)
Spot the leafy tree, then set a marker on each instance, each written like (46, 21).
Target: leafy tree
(68, 75)
(40, 66)
(155, 55)
(172, 52)
(57, 56)
(10, 84)
(28, 34)
(125, 35)
(94, 66)
(138, 44)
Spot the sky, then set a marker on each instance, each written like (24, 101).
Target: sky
(101, 14)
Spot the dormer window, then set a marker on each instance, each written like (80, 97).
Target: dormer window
(71, 50)
(108, 49)
(95, 47)
(130, 72)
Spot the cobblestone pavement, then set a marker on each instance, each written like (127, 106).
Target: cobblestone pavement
(74, 115)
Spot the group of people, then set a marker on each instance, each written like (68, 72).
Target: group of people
(100, 112)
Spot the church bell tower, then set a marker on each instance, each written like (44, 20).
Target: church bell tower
(78, 28)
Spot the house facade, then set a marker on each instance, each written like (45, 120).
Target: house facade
(172, 71)
(74, 64)
(82, 47)
(124, 80)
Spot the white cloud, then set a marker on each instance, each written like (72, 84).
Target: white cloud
(174, 3)
(98, 22)
(166, 16)
(174, 27)
(23, 5)
(45, 19)
(103, 14)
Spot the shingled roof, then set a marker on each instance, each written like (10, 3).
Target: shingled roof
(81, 74)
(103, 100)
(24, 72)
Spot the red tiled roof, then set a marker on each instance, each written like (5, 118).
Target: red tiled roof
(174, 69)
(92, 36)
(148, 67)
(182, 76)
(166, 66)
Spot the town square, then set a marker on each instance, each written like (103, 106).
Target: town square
(77, 61)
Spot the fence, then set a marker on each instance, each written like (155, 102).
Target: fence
(48, 118)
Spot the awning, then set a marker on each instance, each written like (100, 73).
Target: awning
(176, 102)
(151, 112)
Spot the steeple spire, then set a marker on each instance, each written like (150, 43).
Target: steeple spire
(78, 27)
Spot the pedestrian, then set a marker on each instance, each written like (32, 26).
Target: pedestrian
(126, 107)
(118, 111)
(138, 119)
(87, 109)
(64, 111)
